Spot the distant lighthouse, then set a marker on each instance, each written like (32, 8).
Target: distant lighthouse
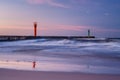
(35, 29)
(89, 33)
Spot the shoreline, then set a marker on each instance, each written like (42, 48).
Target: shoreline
(49, 67)
(9, 74)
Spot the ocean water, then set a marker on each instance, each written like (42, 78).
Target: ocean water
(64, 55)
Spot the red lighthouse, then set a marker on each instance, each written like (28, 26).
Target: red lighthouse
(35, 29)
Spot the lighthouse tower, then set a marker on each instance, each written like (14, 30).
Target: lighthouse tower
(89, 33)
(35, 29)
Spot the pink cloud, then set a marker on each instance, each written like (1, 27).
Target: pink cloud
(49, 2)
(65, 27)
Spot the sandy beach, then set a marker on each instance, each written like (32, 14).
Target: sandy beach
(7, 74)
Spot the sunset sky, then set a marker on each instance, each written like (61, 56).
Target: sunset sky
(60, 17)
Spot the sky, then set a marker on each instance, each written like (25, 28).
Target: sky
(60, 17)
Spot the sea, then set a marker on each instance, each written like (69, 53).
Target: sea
(99, 55)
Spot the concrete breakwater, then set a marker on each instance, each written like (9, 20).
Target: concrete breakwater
(15, 38)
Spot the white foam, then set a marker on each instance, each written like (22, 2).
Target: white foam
(68, 53)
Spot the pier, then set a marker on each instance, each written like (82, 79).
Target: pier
(15, 38)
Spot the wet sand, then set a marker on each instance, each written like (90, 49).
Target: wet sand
(7, 74)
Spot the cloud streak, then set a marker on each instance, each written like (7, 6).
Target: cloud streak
(49, 2)
(55, 3)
